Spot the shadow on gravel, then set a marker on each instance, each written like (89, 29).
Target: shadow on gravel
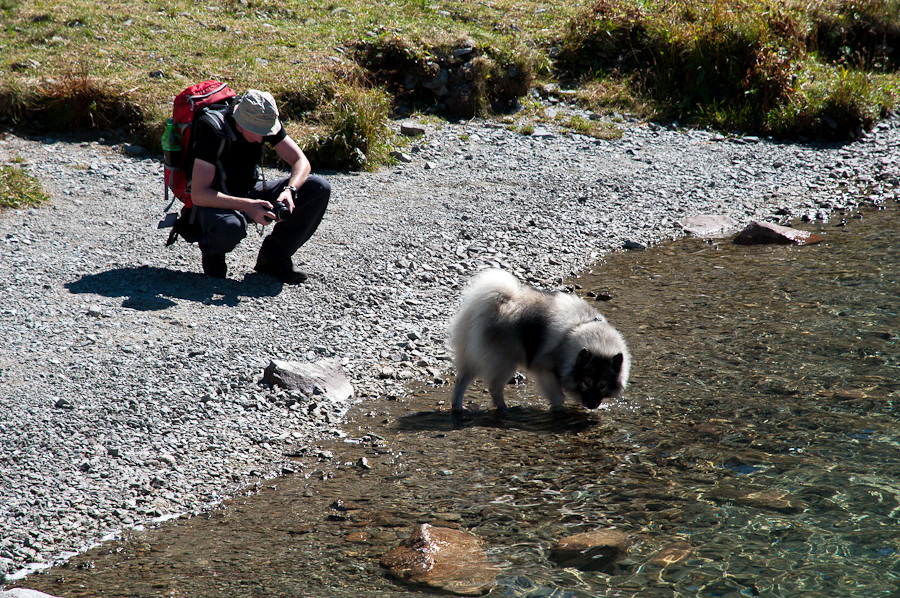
(152, 289)
(532, 419)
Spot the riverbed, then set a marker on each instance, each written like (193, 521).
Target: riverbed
(757, 445)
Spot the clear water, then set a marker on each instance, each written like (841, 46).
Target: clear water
(760, 430)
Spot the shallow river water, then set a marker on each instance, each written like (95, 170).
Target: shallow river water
(758, 446)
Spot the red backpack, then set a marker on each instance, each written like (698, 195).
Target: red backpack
(178, 153)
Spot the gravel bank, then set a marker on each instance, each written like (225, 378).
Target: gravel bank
(129, 382)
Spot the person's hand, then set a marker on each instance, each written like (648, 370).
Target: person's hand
(287, 198)
(260, 211)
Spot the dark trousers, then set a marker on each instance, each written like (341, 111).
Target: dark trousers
(224, 229)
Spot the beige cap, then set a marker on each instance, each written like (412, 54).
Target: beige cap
(257, 112)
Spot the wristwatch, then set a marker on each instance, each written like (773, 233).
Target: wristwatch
(293, 191)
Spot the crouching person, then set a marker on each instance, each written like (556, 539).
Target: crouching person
(228, 191)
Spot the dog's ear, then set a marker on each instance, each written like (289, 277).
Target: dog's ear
(617, 361)
(584, 358)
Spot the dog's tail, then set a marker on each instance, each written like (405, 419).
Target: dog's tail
(489, 289)
(491, 282)
(481, 299)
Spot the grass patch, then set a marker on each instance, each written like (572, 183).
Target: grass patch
(18, 189)
(825, 67)
(861, 34)
(833, 102)
(300, 51)
(615, 95)
(354, 133)
(750, 65)
(591, 128)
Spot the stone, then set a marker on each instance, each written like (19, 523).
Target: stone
(769, 500)
(359, 537)
(23, 593)
(759, 233)
(772, 500)
(438, 81)
(600, 295)
(63, 404)
(708, 225)
(325, 377)
(401, 157)
(134, 150)
(411, 130)
(672, 554)
(590, 551)
(444, 559)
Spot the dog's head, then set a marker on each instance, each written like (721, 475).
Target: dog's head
(597, 377)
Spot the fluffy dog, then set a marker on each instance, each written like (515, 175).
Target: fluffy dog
(566, 345)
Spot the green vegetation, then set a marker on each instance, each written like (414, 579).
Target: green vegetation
(341, 70)
(824, 68)
(18, 189)
(139, 55)
(355, 131)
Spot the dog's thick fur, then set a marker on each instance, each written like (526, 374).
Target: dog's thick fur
(565, 344)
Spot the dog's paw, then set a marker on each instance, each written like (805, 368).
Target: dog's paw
(501, 411)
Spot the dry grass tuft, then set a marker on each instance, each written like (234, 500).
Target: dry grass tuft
(71, 103)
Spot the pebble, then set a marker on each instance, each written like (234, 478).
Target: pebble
(130, 381)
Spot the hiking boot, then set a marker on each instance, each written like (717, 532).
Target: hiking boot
(274, 260)
(214, 265)
(283, 270)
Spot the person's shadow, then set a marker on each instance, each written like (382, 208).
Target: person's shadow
(152, 289)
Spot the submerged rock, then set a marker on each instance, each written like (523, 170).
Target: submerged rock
(672, 554)
(769, 500)
(442, 558)
(590, 551)
(760, 233)
(772, 500)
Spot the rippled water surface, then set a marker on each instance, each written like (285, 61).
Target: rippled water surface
(759, 436)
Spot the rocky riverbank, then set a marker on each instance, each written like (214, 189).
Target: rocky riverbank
(130, 382)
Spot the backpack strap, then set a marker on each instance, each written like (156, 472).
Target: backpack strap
(216, 119)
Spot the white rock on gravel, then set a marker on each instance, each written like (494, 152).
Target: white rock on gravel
(23, 593)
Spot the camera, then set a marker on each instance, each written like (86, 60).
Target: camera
(280, 210)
